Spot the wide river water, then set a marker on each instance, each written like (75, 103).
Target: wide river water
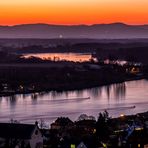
(115, 98)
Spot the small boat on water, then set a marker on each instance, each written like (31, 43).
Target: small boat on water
(121, 108)
(133, 106)
(71, 99)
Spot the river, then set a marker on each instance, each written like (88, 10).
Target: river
(75, 57)
(116, 99)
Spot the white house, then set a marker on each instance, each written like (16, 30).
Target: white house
(81, 145)
(20, 135)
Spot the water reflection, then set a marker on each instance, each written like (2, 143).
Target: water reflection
(79, 93)
(13, 100)
(116, 98)
(25, 95)
(120, 90)
(95, 92)
(76, 57)
(108, 90)
(116, 91)
(34, 96)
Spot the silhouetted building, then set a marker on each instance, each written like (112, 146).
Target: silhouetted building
(20, 135)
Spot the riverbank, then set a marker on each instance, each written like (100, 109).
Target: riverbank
(32, 78)
(61, 89)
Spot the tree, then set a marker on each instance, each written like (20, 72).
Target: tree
(102, 128)
(42, 124)
(82, 117)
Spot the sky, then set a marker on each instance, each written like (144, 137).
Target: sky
(73, 11)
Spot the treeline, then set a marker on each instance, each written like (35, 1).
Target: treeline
(134, 54)
(33, 79)
(68, 45)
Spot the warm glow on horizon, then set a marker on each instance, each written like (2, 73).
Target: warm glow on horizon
(73, 11)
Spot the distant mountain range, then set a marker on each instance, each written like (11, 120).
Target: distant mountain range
(96, 31)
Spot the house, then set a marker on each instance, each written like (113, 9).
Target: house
(86, 125)
(138, 138)
(20, 135)
(81, 145)
(62, 123)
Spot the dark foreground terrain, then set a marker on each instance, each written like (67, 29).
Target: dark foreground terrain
(87, 132)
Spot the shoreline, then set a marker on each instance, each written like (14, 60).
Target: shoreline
(13, 93)
(143, 115)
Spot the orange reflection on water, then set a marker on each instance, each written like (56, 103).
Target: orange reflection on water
(75, 57)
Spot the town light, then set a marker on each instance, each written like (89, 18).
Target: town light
(122, 115)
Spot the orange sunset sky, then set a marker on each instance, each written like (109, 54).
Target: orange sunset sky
(73, 11)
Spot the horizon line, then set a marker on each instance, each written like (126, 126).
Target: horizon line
(81, 24)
